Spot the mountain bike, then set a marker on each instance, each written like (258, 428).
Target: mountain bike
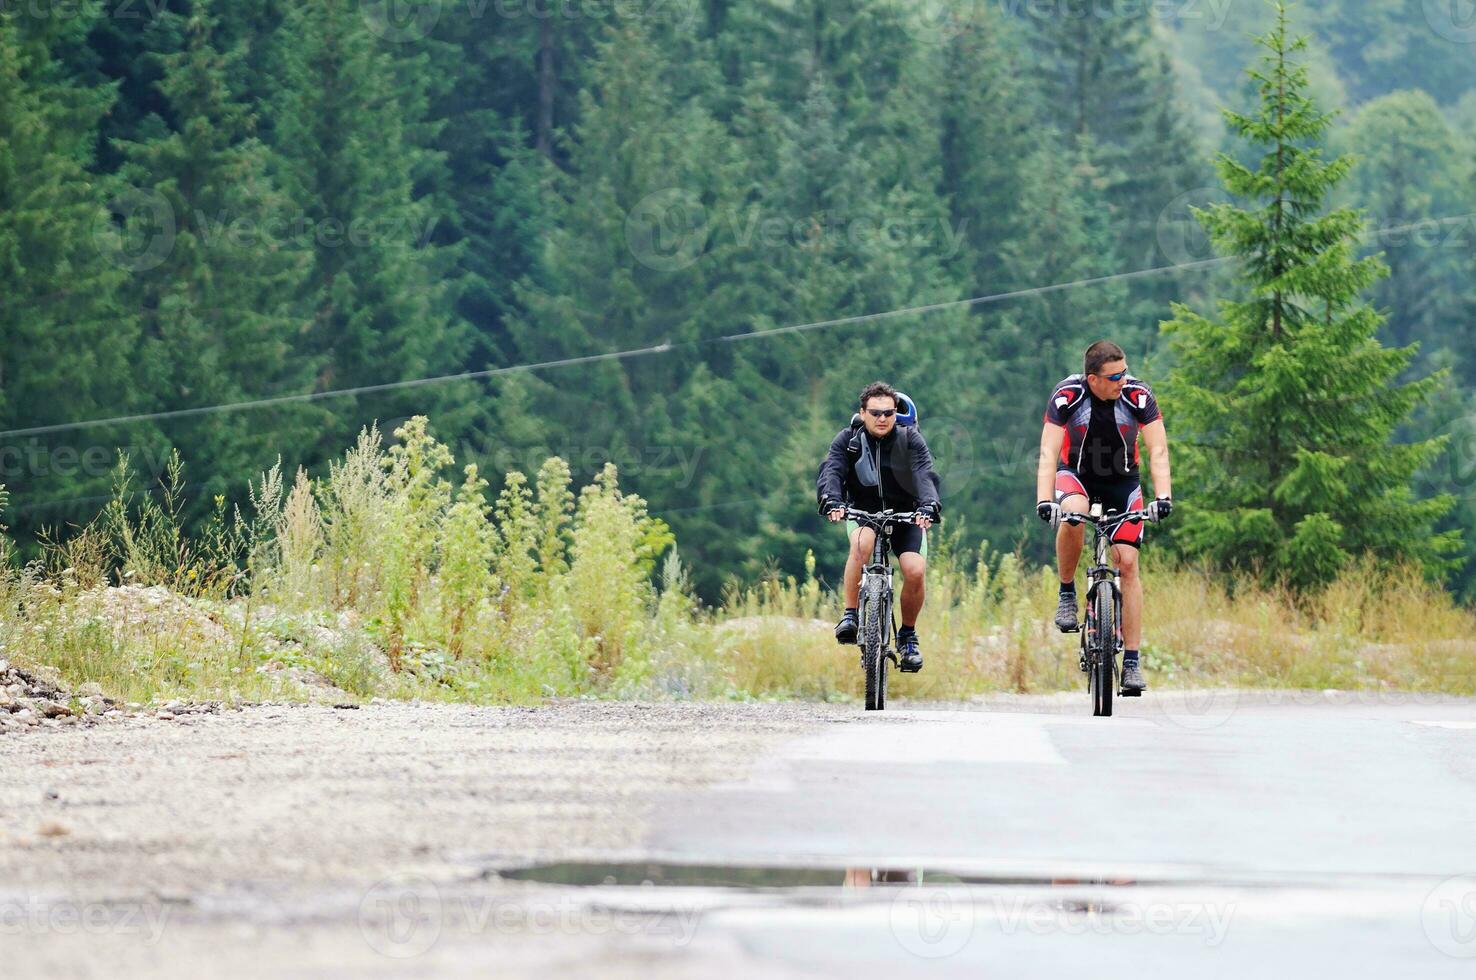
(878, 625)
(1101, 631)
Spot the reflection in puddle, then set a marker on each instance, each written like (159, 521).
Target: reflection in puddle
(751, 876)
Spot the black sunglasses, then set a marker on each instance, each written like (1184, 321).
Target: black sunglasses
(881, 413)
(1113, 377)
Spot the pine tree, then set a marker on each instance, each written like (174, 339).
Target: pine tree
(989, 128)
(1408, 174)
(219, 316)
(381, 293)
(66, 336)
(1283, 406)
(627, 264)
(1111, 91)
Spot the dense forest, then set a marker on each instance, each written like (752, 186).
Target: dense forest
(657, 232)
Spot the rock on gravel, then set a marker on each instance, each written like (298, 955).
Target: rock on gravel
(32, 699)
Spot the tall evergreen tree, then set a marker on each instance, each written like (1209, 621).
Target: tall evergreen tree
(1284, 405)
(988, 128)
(1408, 175)
(221, 308)
(380, 293)
(66, 336)
(1111, 90)
(626, 266)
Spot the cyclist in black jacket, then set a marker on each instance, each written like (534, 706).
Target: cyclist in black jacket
(875, 464)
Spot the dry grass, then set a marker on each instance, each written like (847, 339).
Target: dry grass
(388, 580)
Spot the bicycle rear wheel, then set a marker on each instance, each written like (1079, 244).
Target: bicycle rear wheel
(873, 657)
(1104, 638)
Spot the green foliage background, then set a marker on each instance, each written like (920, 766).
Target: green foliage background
(206, 203)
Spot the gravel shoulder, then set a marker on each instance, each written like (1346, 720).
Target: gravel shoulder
(308, 840)
(310, 795)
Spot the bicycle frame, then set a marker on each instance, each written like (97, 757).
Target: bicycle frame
(880, 566)
(876, 582)
(1102, 575)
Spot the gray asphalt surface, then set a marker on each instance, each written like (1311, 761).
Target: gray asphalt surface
(1209, 834)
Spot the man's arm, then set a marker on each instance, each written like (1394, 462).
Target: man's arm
(1156, 436)
(1052, 437)
(830, 483)
(929, 487)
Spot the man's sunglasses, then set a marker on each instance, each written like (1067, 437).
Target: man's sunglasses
(1114, 378)
(881, 413)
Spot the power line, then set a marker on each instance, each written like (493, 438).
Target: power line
(667, 347)
(661, 348)
(337, 393)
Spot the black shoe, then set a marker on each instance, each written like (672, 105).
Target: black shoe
(1132, 680)
(911, 658)
(1066, 613)
(845, 630)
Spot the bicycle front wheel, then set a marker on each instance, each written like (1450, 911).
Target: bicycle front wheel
(873, 657)
(1104, 637)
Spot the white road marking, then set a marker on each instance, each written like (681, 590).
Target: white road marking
(1458, 725)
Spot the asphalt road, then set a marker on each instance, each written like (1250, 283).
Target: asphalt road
(1200, 835)
(1192, 835)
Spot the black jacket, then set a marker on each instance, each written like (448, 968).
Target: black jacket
(907, 480)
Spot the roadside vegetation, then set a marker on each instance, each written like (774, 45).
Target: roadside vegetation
(397, 576)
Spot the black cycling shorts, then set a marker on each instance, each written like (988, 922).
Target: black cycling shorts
(905, 538)
(1119, 495)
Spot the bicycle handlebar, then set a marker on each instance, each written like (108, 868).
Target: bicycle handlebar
(1107, 521)
(884, 517)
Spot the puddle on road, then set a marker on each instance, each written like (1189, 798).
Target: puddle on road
(661, 874)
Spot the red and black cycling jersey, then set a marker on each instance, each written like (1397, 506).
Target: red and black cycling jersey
(1101, 436)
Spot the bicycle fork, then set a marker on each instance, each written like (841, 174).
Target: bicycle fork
(1101, 577)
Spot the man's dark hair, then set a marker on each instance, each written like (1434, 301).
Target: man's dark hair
(878, 389)
(1102, 352)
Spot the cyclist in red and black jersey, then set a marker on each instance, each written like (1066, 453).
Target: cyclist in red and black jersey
(1089, 452)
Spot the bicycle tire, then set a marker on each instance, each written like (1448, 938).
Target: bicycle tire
(873, 658)
(1104, 663)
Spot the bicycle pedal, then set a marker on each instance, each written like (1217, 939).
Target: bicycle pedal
(1074, 629)
(1125, 693)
